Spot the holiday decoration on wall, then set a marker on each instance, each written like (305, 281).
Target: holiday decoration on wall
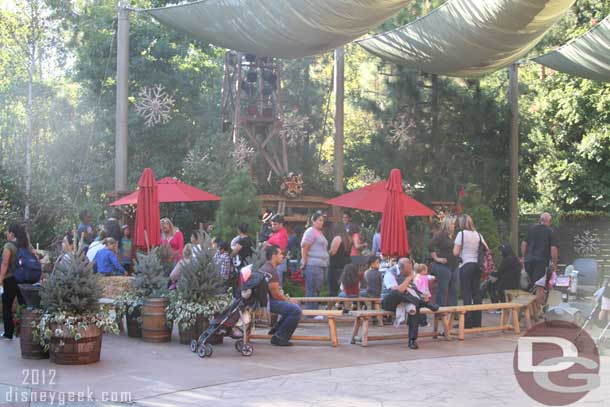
(154, 105)
(586, 243)
(292, 185)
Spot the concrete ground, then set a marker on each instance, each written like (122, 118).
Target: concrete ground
(475, 372)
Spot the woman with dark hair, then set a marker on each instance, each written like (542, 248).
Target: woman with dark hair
(340, 248)
(350, 282)
(17, 238)
(314, 257)
(67, 249)
(241, 247)
(508, 274)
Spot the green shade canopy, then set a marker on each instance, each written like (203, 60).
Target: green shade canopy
(587, 56)
(469, 38)
(277, 28)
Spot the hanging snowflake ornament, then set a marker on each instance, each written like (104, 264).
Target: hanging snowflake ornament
(586, 243)
(154, 105)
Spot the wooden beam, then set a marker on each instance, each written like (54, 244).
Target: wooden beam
(262, 150)
(339, 82)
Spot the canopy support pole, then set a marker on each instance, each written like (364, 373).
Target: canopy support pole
(122, 93)
(339, 77)
(513, 73)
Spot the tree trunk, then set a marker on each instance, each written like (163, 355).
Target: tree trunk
(29, 135)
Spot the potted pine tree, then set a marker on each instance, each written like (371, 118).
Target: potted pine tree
(200, 293)
(151, 286)
(72, 320)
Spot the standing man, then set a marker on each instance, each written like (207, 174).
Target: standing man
(279, 238)
(400, 288)
(112, 226)
(539, 248)
(347, 221)
(287, 309)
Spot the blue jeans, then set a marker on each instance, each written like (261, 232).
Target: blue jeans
(314, 277)
(281, 269)
(290, 315)
(447, 281)
(342, 294)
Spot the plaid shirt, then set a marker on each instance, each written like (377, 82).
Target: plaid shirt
(223, 260)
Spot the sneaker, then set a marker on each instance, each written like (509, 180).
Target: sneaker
(4, 337)
(277, 341)
(318, 317)
(413, 344)
(236, 333)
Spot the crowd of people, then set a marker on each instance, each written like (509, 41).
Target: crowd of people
(333, 258)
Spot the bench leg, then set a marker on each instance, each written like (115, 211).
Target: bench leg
(365, 332)
(461, 323)
(447, 321)
(377, 307)
(435, 326)
(357, 324)
(516, 326)
(503, 317)
(528, 317)
(332, 328)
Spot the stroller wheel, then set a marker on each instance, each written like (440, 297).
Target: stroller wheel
(194, 345)
(247, 350)
(201, 351)
(239, 345)
(208, 349)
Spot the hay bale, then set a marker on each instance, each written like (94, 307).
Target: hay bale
(116, 285)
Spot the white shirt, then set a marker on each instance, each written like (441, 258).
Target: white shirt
(94, 248)
(470, 247)
(389, 278)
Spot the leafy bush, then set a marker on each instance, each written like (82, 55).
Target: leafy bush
(239, 205)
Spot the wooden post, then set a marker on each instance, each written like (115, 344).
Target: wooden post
(514, 155)
(339, 77)
(122, 103)
(435, 107)
(236, 117)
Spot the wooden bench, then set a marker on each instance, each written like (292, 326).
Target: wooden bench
(530, 308)
(330, 315)
(534, 309)
(444, 314)
(331, 302)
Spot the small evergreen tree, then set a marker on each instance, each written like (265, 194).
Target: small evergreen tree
(239, 205)
(200, 278)
(72, 288)
(152, 272)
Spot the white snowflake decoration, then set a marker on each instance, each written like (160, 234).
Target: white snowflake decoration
(586, 243)
(154, 105)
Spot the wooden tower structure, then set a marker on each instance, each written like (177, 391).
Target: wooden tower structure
(251, 106)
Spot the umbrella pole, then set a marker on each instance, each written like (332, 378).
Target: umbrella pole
(146, 240)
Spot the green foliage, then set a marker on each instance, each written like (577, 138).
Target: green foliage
(583, 216)
(292, 289)
(152, 273)
(200, 279)
(239, 205)
(483, 217)
(72, 288)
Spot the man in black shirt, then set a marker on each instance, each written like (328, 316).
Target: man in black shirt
(540, 247)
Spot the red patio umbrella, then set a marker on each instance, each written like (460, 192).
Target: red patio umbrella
(394, 242)
(172, 190)
(373, 198)
(147, 213)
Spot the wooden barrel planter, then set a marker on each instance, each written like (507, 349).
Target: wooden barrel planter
(187, 335)
(65, 350)
(134, 326)
(30, 348)
(155, 327)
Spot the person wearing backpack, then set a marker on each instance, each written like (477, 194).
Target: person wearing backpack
(15, 251)
(470, 246)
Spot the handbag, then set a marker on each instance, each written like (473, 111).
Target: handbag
(524, 280)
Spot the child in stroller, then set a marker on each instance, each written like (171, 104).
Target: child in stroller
(253, 286)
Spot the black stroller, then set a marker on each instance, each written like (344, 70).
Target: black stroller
(253, 294)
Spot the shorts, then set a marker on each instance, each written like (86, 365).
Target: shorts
(605, 304)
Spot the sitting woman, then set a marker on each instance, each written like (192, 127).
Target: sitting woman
(187, 257)
(350, 282)
(107, 261)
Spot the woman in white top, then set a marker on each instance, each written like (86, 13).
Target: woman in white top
(466, 246)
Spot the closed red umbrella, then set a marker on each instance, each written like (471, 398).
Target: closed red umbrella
(394, 242)
(147, 213)
(374, 197)
(172, 190)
